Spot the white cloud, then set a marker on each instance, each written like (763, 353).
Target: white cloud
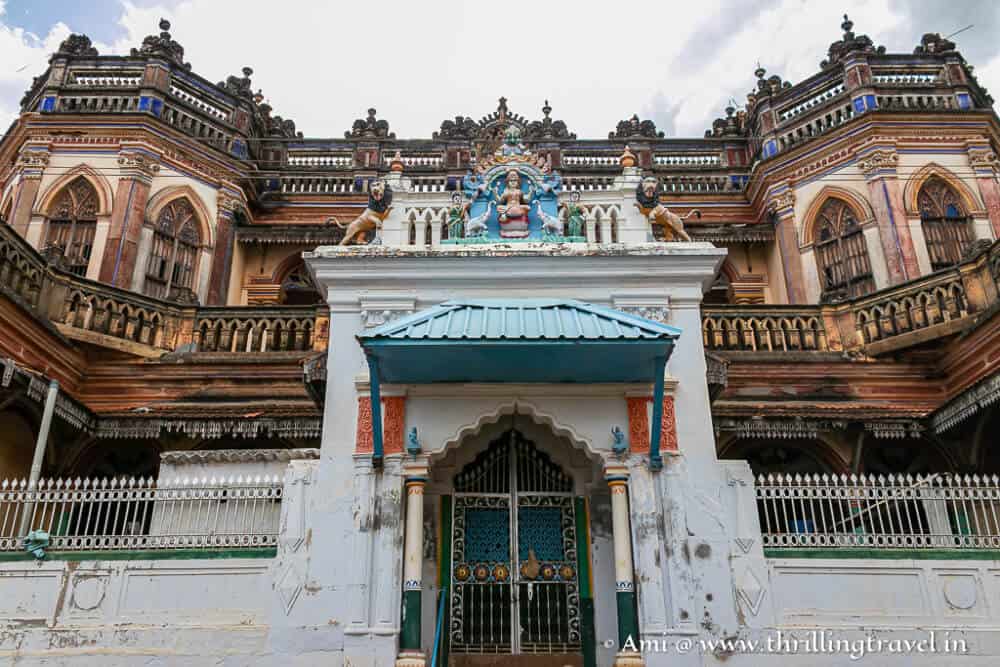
(418, 63)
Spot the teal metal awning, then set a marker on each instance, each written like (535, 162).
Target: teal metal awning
(518, 341)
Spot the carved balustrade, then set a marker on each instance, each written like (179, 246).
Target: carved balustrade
(940, 304)
(256, 329)
(764, 328)
(106, 315)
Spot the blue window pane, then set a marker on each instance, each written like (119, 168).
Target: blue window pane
(540, 528)
(487, 535)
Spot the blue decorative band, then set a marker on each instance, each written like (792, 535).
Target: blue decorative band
(412, 585)
(624, 586)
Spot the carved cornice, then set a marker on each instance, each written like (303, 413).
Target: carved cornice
(877, 160)
(33, 159)
(196, 457)
(141, 427)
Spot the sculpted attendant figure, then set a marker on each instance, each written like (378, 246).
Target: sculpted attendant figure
(575, 216)
(457, 213)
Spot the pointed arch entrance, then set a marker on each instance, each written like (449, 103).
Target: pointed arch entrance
(516, 553)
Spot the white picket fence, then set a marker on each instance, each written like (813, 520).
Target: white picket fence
(940, 511)
(135, 513)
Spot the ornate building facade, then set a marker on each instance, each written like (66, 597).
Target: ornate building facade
(502, 393)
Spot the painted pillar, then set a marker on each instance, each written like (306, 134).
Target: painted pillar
(410, 654)
(782, 207)
(985, 164)
(121, 250)
(879, 168)
(628, 623)
(32, 162)
(222, 256)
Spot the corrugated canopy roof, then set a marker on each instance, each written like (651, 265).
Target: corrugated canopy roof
(521, 320)
(519, 340)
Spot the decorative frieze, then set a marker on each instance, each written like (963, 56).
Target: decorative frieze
(894, 430)
(782, 201)
(124, 428)
(968, 403)
(777, 429)
(195, 457)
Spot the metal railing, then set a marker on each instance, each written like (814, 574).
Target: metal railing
(136, 513)
(940, 511)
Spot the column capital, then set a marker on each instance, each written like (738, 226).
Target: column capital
(782, 203)
(415, 469)
(983, 161)
(616, 473)
(33, 161)
(879, 162)
(137, 164)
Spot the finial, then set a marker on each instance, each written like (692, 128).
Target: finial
(760, 71)
(247, 71)
(396, 165)
(546, 109)
(164, 25)
(371, 113)
(258, 97)
(730, 110)
(846, 25)
(627, 158)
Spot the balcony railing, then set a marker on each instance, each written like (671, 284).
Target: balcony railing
(135, 513)
(943, 511)
(103, 314)
(764, 329)
(939, 304)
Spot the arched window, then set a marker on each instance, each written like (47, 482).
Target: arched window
(173, 258)
(73, 223)
(841, 254)
(946, 225)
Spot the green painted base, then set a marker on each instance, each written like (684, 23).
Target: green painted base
(410, 636)
(628, 623)
(145, 554)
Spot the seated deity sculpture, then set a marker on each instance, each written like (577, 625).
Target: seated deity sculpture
(512, 207)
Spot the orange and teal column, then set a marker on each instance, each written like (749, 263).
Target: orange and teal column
(410, 653)
(628, 623)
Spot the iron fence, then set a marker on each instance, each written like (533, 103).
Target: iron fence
(135, 513)
(939, 511)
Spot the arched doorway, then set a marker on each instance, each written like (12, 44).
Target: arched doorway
(514, 555)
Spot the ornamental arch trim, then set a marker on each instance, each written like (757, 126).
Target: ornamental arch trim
(857, 202)
(105, 195)
(521, 408)
(911, 191)
(160, 200)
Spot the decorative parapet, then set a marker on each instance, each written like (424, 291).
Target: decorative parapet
(777, 429)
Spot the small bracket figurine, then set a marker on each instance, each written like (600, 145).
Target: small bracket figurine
(36, 542)
(413, 447)
(618, 444)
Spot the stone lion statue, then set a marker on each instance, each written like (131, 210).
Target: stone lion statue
(379, 205)
(647, 196)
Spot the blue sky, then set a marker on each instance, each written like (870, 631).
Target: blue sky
(423, 61)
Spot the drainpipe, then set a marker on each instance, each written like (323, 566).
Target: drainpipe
(376, 401)
(655, 458)
(36, 462)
